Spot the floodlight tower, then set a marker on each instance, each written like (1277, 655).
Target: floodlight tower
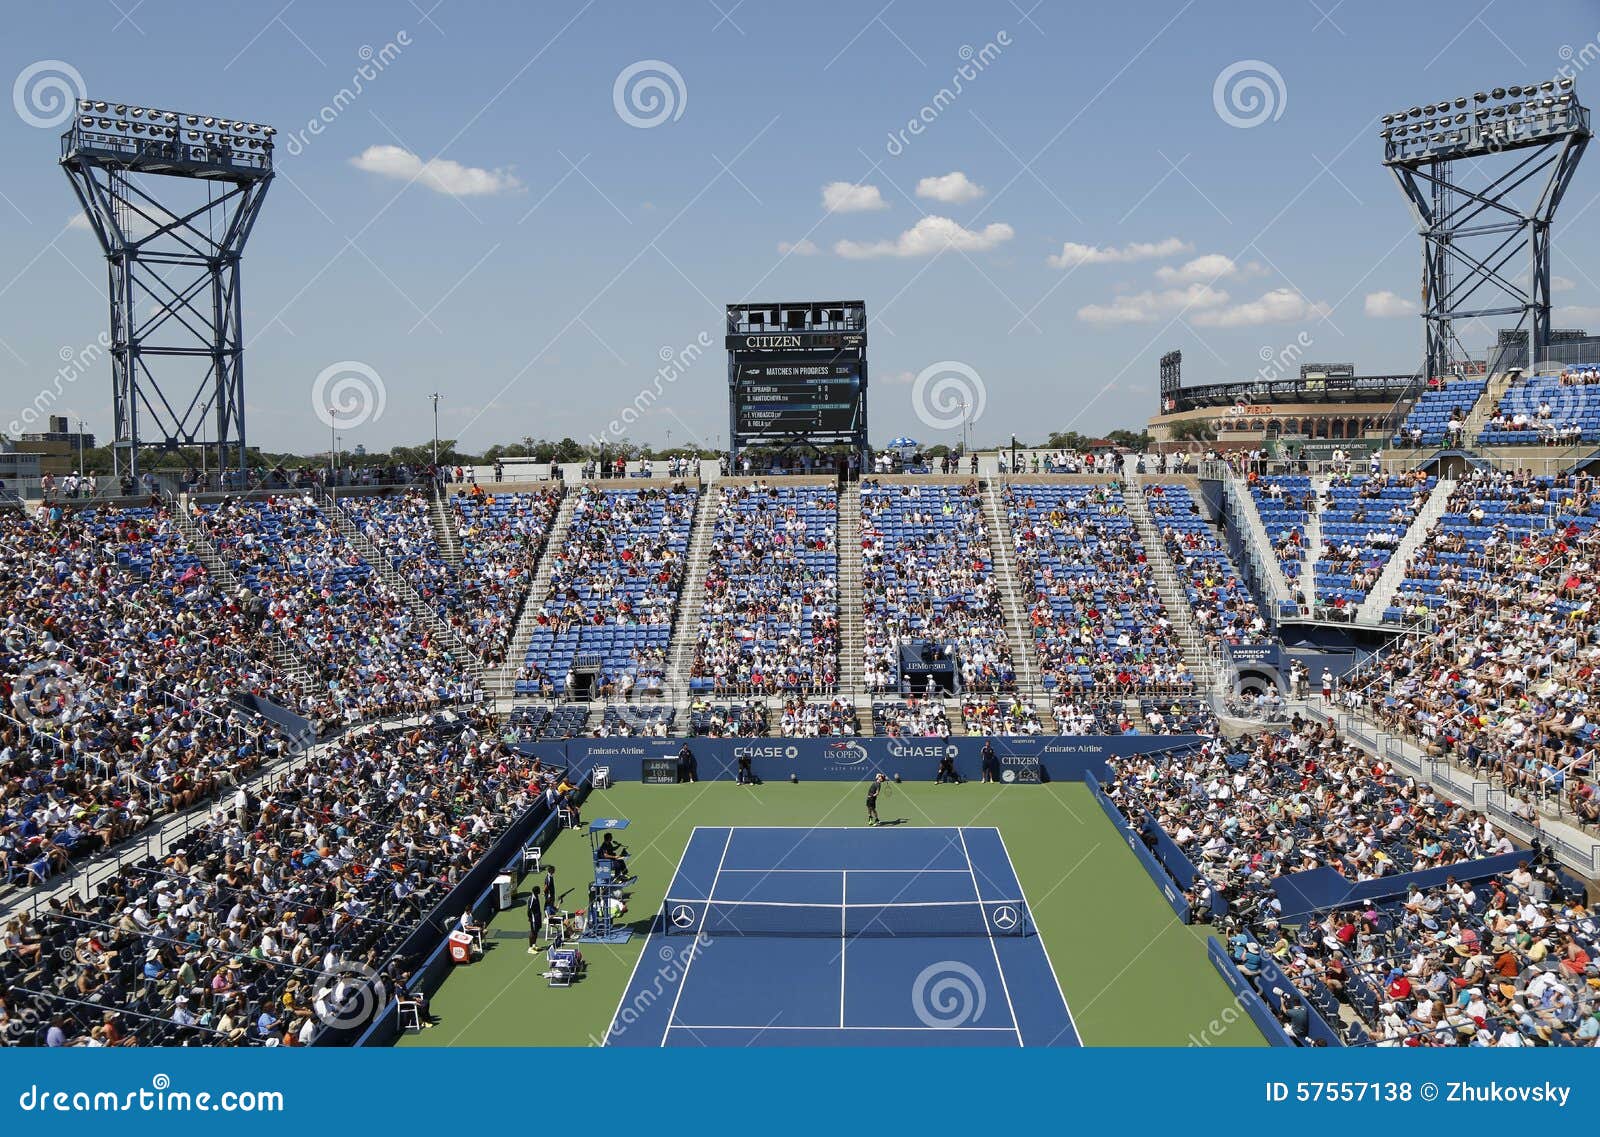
(1482, 229)
(172, 198)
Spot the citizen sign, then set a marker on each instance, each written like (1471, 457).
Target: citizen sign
(772, 341)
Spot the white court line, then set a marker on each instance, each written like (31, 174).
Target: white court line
(1040, 937)
(928, 1029)
(830, 872)
(1000, 967)
(844, 934)
(628, 989)
(683, 980)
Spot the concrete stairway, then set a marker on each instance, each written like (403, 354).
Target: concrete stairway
(852, 627)
(1313, 543)
(503, 684)
(285, 656)
(443, 520)
(686, 624)
(1174, 594)
(1394, 572)
(1486, 405)
(438, 627)
(1012, 594)
(1271, 578)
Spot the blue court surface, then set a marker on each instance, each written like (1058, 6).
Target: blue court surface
(844, 937)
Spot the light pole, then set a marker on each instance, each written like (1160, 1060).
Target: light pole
(435, 397)
(80, 451)
(333, 453)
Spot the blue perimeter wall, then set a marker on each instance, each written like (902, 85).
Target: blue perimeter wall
(1046, 757)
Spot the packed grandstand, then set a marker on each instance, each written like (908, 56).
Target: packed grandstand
(256, 743)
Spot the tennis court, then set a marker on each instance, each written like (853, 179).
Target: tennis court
(844, 937)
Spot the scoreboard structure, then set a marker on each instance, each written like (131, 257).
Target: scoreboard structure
(797, 375)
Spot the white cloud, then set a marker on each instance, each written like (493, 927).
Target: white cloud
(952, 189)
(846, 197)
(1561, 284)
(1073, 254)
(1578, 314)
(1386, 305)
(804, 248)
(899, 378)
(1274, 307)
(440, 174)
(930, 235)
(134, 225)
(1211, 266)
(1147, 307)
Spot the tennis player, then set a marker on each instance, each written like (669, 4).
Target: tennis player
(872, 799)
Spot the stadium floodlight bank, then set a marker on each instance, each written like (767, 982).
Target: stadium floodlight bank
(1518, 142)
(177, 342)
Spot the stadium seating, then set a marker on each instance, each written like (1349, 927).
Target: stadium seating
(375, 653)
(927, 577)
(204, 946)
(1285, 503)
(1362, 523)
(1099, 626)
(770, 618)
(614, 590)
(1546, 410)
(1430, 419)
(1224, 610)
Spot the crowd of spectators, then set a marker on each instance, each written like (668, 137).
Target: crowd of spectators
(1507, 961)
(265, 923)
(910, 718)
(1362, 522)
(1285, 504)
(118, 666)
(1224, 610)
(1504, 683)
(1099, 626)
(376, 656)
(927, 577)
(614, 588)
(770, 618)
(1245, 810)
(501, 537)
(996, 715)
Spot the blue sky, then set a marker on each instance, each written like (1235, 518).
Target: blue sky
(483, 221)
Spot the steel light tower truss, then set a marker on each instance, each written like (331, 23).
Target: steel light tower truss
(172, 198)
(1483, 175)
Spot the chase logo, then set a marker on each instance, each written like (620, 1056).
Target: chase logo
(766, 751)
(900, 749)
(847, 753)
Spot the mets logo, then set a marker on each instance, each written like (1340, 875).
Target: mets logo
(848, 753)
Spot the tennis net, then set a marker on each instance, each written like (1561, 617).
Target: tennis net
(849, 921)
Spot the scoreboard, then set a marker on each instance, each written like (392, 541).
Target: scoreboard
(797, 397)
